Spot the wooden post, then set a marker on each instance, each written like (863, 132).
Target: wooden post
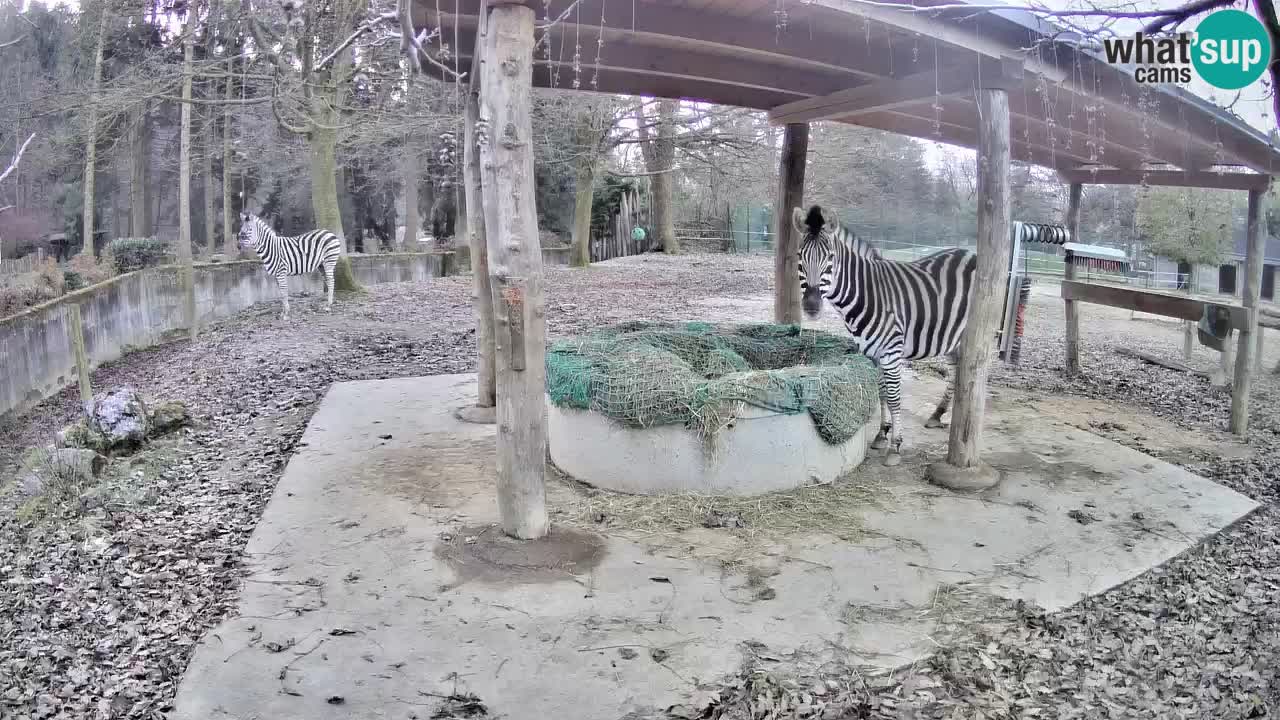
(1243, 383)
(515, 268)
(1188, 327)
(786, 256)
(1257, 353)
(75, 333)
(1072, 361)
(965, 443)
(1226, 361)
(486, 395)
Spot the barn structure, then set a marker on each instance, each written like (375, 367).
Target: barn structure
(1003, 82)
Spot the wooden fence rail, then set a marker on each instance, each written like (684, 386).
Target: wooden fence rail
(24, 264)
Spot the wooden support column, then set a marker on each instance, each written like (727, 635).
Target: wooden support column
(963, 469)
(486, 394)
(1243, 383)
(786, 273)
(1072, 362)
(1226, 362)
(504, 137)
(75, 335)
(1189, 327)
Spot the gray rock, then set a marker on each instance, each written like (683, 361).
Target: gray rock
(120, 417)
(78, 435)
(168, 416)
(63, 467)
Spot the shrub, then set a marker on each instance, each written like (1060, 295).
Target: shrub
(550, 239)
(72, 281)
(137, 253)
(18, 292)
(91, 271)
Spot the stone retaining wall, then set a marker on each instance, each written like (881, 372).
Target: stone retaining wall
(139, 309)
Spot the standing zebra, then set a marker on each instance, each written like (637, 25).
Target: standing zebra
(895, 310)
(297, 255)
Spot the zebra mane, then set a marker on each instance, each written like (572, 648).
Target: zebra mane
(817, 220)
(262, 226)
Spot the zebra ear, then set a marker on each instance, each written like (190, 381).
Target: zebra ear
(797, 221)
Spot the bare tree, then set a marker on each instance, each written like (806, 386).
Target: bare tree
(659, 156)
(91, 143)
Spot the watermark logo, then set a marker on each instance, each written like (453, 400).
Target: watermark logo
(1230, 49)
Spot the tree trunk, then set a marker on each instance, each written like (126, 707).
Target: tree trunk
(412, 222)
(139, 175)
(1251, 294)
(324, 179)
(965, 443)
(206, 171)
(1072, 362)
(228, 225)
(511, 225)
(584, 195)
(659, 156)
(184, 189)
(486, 395)
(786, 278)
(91, 143)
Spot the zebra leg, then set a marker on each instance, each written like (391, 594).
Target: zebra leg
(944, 404)
(283, 283)
(882, 438)
(328, 285)
(892, 384)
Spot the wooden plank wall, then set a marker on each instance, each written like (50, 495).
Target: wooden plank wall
(24, 264)
(617, 242)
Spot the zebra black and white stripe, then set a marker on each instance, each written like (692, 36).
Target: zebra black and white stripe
(896, 311)
(296, 255)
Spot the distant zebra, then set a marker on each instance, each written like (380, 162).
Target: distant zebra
(297, 255)
(895, 310)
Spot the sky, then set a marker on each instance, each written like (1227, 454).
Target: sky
(1253, 106)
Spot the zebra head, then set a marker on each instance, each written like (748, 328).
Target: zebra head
(816, 257)
(250, 231)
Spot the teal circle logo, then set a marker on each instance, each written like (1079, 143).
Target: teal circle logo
(1232, 49)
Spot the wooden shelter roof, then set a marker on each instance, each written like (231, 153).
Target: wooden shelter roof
(880, 66)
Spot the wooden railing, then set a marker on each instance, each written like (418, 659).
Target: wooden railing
(24, 264)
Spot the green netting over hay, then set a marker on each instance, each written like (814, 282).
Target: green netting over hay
(703, 376)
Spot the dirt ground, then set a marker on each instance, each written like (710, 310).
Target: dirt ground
(101, 599)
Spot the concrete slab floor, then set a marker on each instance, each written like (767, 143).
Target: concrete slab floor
(373, 590)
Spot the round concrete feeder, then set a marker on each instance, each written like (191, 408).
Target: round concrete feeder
(760, 452)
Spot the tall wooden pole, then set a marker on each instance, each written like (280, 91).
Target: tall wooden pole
(1072, 362)
(515, 268)
(786, 274)
(91, 145)
(965, 444)
(1188, 327)
(187, 271)
(1243, 383)
(75, 334)
(486, 396)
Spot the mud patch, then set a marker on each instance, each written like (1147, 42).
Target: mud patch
(1130, 426)
(443, 474)
(487, 555)
(1050, 473)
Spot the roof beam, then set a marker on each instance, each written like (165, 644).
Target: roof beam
(1177, 121)
(1168, 178)
(911, 19)
(626, 55)
(696, 29)
(962, 135)
(872, 97)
